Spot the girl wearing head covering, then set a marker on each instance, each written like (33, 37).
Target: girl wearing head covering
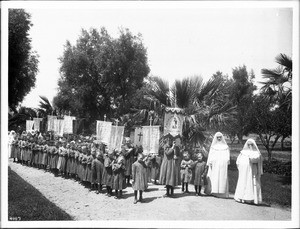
(217, 162)
(199, 172)
(139, 176)
(11, 144)
(97, 171)
(107, 177)
(128, 153)
(249, 163)
(118, 168)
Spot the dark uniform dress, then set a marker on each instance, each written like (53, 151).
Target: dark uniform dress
(139, 175)
(118, 168)
(107, 178)
(168, 174)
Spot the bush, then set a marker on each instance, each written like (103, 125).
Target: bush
(278, 167)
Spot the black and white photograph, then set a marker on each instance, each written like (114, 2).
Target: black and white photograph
(150, 114)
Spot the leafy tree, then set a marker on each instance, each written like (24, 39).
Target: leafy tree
(100, 75)
(241, 95)
(22, 62)
(266, 122)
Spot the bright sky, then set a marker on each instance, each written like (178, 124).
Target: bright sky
(180, 41)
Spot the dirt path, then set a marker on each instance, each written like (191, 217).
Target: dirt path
(82, 204)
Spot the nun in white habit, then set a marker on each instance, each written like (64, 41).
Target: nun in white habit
(217, 162)
(249, 164)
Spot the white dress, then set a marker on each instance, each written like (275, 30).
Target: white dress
(248, 186)
(217, 175)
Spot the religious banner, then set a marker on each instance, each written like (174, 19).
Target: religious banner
(37, 122)
(68, 124)
(103, 131)
(116, 137)
(173, 121)
(29, 125)
(50, 123)
(151, 135)
(60, 127)
(138, 136)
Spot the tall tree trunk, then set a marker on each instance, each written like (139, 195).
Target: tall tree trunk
(282, 142)
(240, 138)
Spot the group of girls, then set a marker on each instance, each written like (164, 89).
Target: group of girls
(95, 166)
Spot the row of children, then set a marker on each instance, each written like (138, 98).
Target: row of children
(90, 163)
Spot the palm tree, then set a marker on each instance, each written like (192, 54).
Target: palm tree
(279, 81)
(205, 105)
(278, 88)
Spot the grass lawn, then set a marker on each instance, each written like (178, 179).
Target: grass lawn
(276, 190)
(28, 204)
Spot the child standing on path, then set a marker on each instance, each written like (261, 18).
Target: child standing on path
(200, 172)
(107, 178)
(186, 171)
(139, 177)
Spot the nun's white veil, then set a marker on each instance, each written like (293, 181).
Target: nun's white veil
(219, 145)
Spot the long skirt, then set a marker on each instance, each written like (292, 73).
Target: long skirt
(13, 151)
(89, 174)
(107, 178)
(59, 162)
(45, 158)
(22, 154)
(119, 182)
(84, 172)
(40, 160)
(29, 154)
(36, 157)
(63, 164)
(19, 154)
(54, 161)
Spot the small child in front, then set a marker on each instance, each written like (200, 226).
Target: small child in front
(139, 176)
(200, 171)
(186, 171)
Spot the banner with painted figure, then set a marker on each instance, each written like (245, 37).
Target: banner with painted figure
(138, 136)
(103, 131)
(68, 124)
(29, 125)
(151, 135)
(37, 122)
(116, 137)
(173, 121)
(50, 123)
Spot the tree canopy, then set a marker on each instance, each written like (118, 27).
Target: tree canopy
(100, 74)
(22, 62)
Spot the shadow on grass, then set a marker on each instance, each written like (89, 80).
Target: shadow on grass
(25, 203)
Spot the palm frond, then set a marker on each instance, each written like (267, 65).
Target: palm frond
(284, 61)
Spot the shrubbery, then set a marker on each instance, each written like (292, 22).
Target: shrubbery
(274, 167)
(278, 167)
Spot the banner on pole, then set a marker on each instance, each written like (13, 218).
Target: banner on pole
(50, 123)
(173, 121)
(29, 125)
(151, 135)
(116, 137)
(103, 131)
(59, 127)
(68, 124)
(138, 136)
(37, 122)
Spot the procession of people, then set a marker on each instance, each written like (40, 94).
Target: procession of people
(110, 171)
